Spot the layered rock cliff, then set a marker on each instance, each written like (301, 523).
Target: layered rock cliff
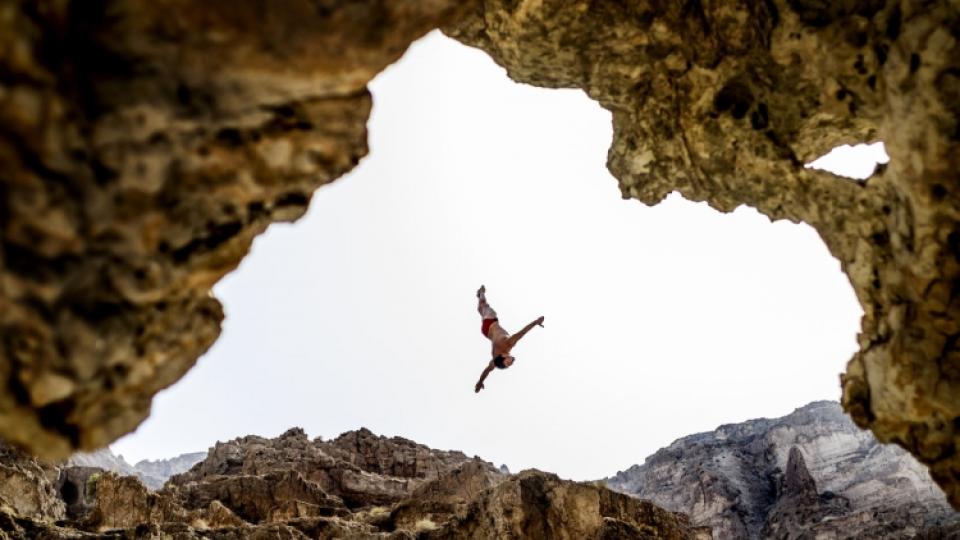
(356, 486)
(144, 144)
(812, 472)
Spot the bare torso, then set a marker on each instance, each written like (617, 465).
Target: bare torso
(500, 340)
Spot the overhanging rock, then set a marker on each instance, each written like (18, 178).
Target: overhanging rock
(724, 102)
(143, 145)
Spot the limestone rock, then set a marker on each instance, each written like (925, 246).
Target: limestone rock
(123, 502)
(359, 467)
(535, 505)
(255, 487)
(273, 497)
(76, 486)
(145, 144)
(27, 487)
(724, 102)
(443, 498)
(787, 474)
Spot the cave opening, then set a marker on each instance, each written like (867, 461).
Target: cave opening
(660, 321)
(69, 492)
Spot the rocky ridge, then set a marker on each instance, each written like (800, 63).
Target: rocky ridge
(812, 473)
(153, 474)
(357, 486)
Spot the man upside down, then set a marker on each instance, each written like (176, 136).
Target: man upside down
(502, 341)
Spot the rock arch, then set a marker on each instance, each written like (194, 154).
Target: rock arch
(145, 144)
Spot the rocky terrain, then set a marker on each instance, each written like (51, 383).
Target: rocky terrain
(146, 143)
(357, 486)
(810, 474)
(153, 474)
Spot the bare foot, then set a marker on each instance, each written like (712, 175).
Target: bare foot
(481, 291)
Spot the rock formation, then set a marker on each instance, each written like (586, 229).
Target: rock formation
(812, 472)
(725, 101)
(145, 144)
(153, 474)
(291, 487)
(27, 486)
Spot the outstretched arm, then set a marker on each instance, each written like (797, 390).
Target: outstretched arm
(516, 337)
(483, 376)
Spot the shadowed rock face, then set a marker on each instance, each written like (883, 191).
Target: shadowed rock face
(145, 144)
(725, 101)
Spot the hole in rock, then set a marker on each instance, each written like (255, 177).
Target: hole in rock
(69, 492)
(660, 321)
(857, 162)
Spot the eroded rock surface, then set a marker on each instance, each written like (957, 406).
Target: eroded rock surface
(145, 144)
(287, 487)
(28, 487)
(810, 473)
(360, 468)
(724, 102)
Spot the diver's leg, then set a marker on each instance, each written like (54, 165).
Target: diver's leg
(483, 307)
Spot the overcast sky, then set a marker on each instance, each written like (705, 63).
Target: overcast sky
(660, 322)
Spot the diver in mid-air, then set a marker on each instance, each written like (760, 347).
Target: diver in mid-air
(502, 341)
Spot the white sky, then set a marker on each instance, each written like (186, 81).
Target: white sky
(660, 322)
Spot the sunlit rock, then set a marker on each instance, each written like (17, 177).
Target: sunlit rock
(145, 145)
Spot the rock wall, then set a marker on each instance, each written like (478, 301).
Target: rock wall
(253, 487)
(812, 472)
(725, 101)
(28, 486)
(145, 144)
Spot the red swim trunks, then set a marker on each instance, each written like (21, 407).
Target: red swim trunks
(485, 327)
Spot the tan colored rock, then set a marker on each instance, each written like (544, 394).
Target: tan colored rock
(274, 497)
(535, 505)
(724, 102)
(27, 488)
(144, 145)
(123, 502)
(443, 498)
(358, 467)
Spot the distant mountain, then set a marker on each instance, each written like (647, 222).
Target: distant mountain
(153, 474)
(809, 474)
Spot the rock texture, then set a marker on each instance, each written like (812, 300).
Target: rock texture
(153, 474)
(533, 505)
(292, 488)
(809, 473)
(145, 144)
(359, 467)
(27, 486)
(725, 101)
